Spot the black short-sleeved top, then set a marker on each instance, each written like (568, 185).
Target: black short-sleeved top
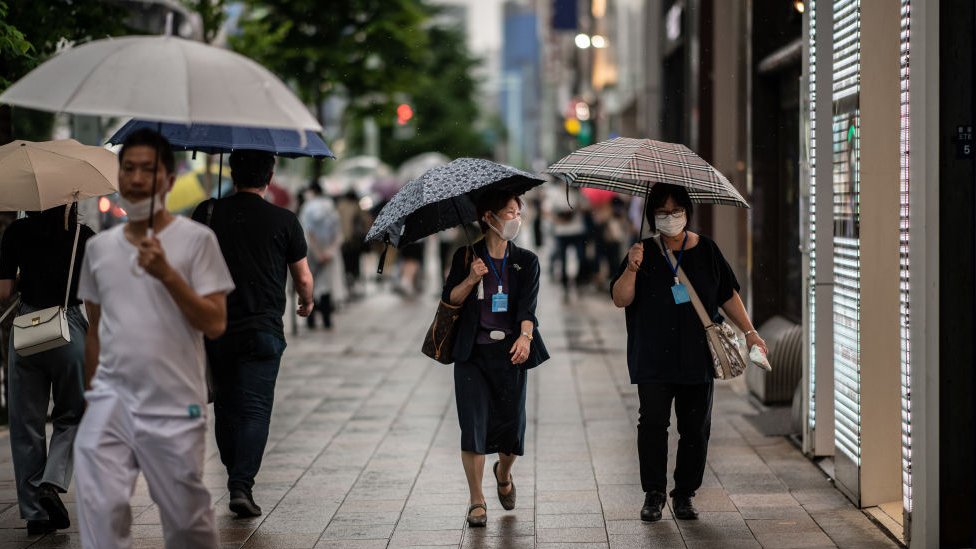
(42, 252)
(666, 341)
(259, 240)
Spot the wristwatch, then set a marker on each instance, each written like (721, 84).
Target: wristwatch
(528, 335)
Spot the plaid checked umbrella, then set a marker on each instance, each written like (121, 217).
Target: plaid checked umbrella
(632, 166)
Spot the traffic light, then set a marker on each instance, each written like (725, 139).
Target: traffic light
(404, 114)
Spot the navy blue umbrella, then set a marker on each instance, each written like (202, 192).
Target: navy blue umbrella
(216, 139)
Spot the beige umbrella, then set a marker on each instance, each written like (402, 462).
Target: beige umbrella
(40, 175)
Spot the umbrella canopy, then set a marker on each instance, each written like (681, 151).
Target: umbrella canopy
(444, 197)
(597, 197)
(216, 139)
(189, 189)
(161, 78)
(38, 176)
(631, 166)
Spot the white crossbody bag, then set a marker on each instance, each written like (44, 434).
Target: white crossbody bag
(46, 329)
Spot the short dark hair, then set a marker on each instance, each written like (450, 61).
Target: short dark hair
(251, 169)
(147, 137)
(492, 201)
(659, 195)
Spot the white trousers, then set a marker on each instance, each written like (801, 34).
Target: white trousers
(112, 446)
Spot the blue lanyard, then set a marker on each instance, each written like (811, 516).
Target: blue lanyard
(674, 268)
(491, 263)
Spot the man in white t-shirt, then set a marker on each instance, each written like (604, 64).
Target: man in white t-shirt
(153, 294)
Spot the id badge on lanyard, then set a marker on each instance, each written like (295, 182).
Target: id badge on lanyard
(499, 301)
(679, 291)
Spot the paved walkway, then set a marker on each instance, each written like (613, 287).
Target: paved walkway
(364, 454)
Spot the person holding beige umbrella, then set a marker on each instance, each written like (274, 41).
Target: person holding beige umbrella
(40, 256)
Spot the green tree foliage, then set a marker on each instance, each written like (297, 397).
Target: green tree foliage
(213, 14)
(13, 45)
(32, 30)
(43, 24)
(367, 48)
(444, 98)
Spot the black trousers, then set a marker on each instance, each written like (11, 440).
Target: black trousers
(693, 408)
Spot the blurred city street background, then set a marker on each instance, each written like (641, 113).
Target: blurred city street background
(845, 124)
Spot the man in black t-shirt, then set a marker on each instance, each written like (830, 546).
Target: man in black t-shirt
(261, 243)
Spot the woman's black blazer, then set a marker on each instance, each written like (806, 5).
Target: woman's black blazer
(523, 279)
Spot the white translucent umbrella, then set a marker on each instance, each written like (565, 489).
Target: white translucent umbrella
(162, 78)
(40, 175)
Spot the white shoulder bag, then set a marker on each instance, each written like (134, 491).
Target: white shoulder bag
(46, 329)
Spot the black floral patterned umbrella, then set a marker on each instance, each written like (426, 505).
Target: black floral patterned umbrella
(444, 197)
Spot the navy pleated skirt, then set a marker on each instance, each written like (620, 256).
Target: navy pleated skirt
(490, 393)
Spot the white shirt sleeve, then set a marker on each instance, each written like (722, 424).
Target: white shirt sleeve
(87, 285)
(209, 273)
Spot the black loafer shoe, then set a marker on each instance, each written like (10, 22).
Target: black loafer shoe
(57, 514)
(242, 503)
(683, 508)
(39, 527)
(653, 503)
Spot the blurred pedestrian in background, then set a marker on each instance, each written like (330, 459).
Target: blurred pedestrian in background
(261, 243)
(324, 232)
(152, 294)
(569, 230)
(355, 224)
(40, 248)
(667, 353)
(497, 343)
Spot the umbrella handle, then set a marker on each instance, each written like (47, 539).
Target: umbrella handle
(382, 263)
(640, 235)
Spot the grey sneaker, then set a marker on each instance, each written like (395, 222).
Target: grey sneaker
(242, 503)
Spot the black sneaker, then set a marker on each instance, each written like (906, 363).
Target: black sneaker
(57, 514)
(39, 527)
(683, 508)
(242, 503)
(653, 503)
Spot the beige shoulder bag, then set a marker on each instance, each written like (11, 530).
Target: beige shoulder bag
(727, 359)
(46, 329)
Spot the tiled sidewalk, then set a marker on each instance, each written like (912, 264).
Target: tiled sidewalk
(364, 454)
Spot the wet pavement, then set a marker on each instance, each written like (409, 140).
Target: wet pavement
(364, 454)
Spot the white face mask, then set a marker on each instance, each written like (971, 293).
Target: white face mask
(510, 227)
(140, 211)
(669, 226)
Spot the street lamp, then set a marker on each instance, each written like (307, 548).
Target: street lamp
(584, 41)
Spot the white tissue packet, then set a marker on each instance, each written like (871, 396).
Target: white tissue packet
(758, 357)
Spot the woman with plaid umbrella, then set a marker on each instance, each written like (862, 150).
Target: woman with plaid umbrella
(667, 352)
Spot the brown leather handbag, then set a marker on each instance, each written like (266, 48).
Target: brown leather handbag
(439, 341)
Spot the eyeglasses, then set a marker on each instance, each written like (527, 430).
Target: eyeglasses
(673, 214)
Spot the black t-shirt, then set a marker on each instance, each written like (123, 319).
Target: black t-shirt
(666, 341)
(259, 240)
(42, 251)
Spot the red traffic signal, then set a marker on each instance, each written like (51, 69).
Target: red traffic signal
(404, 113)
